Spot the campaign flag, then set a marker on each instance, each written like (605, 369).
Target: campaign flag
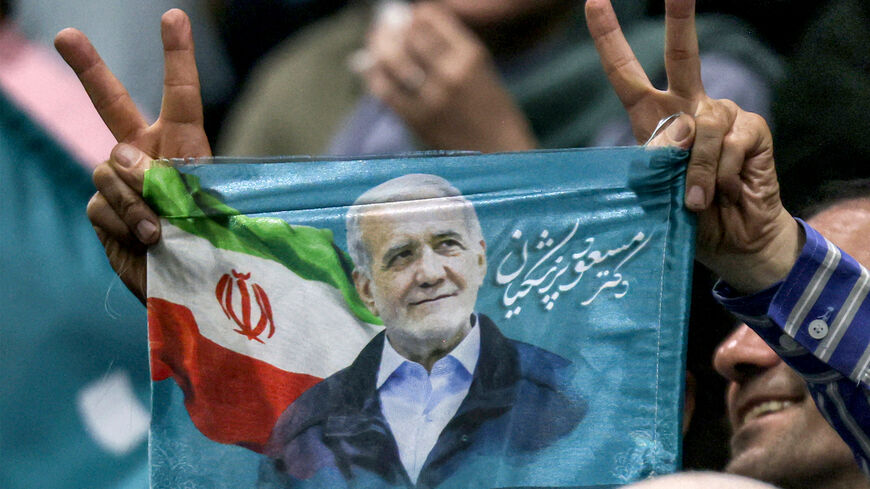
(550, 289)
(217, 286)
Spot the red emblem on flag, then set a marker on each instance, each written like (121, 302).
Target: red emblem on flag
(224, 293)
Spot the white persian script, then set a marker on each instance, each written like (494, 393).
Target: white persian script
(551, 269)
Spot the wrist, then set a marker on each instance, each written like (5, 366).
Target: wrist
(752, 273)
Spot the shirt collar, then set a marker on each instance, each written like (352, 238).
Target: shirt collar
(466, 352)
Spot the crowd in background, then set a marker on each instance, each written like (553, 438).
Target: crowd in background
(298, 77)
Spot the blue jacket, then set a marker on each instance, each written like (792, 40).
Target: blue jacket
(335, 435)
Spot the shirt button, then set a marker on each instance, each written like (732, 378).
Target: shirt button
(818, 329)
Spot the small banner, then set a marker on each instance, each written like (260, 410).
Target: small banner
(430, 320)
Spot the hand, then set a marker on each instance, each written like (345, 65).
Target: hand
(122, 220)
(744, 233)
(439, 78)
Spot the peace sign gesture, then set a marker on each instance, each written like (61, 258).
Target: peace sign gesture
(744, 233)
(123, 221)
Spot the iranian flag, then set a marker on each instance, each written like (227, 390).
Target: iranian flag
(244, 313)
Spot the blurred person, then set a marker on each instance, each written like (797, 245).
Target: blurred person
(779, 434)
(821, 106)
(780, 23)
(275, 20)
(487, 76)
(74, 398)
(128, 45)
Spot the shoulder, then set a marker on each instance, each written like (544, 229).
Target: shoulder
(534, 364)
(312, 408)
(543, 390)
(344, 393)
(298, 95)
(541, 366)
(296, 446)
(339, 34)
(536, 368)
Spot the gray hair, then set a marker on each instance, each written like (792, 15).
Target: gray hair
(412, 187)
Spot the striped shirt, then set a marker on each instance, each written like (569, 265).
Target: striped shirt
(818, 321)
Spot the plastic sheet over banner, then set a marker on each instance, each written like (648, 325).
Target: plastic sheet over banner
(430, 320)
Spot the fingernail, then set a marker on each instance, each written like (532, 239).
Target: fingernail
(695, 199)
(678, 131)
(146, 231)
(126, 155)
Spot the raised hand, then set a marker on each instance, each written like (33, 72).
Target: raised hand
(122, 220)
(440, 79)
(744, 233)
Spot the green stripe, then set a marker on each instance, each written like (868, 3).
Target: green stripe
(308, 252)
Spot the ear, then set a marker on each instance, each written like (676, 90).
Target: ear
(481, 258)
(363, 286)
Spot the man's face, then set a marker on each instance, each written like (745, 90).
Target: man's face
(426, 269)
(778, 434)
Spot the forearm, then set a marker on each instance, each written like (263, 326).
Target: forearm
(818, 321)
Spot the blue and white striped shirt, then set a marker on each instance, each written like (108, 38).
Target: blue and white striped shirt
(818, 321)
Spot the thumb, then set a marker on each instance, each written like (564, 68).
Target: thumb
(130, 164)
(680, 132)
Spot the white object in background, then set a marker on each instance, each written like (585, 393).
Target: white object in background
(112, 414)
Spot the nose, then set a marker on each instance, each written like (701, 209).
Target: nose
(743, 354)
(430, 270)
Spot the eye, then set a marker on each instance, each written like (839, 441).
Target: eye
(400, 258)
(448, 245)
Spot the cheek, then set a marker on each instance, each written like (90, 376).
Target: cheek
(477, 265)
(730, 393)
(391, 288)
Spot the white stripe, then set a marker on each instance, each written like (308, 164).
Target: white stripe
(844, 317)
(813, 290)
(848, 420)
(821, 404)
(859, 374)
(822, 378)
(315, 332)
(792, 351)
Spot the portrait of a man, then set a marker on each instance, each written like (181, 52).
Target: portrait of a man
(441, 384)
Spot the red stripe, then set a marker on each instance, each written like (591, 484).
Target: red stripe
(231, 398)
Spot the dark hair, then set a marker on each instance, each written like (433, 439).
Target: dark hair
(5, 8)
(830, 193)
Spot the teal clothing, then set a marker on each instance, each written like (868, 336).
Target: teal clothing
(66, 325)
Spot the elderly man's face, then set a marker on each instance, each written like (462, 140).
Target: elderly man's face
(779, 435)
(426, 269)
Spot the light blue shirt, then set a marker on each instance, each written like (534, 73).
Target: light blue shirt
(418, 404)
